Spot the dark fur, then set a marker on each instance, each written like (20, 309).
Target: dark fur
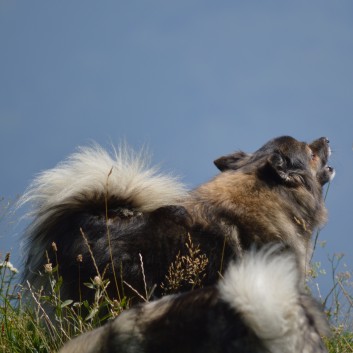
(274, 194)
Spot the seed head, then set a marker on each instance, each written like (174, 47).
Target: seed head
(53, 245)
(48, 268)
(97, 281)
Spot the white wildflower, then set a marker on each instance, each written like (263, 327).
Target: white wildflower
(8, 264)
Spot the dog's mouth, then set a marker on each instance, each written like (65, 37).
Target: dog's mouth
(321, 152)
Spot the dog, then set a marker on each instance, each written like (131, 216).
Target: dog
(135, 222)
(257, 307)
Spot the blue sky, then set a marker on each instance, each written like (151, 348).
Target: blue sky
(193, 80)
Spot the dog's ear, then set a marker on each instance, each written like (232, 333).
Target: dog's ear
(284, 169)
(279, 165)
(232, 161)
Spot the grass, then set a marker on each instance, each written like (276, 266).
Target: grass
(46, 324)
(338, 302)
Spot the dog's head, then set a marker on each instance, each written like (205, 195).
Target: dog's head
(286, 160)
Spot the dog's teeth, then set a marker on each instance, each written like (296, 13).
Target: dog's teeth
(333, 172)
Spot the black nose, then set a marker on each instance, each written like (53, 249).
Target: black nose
(330, 169)
(326, 140)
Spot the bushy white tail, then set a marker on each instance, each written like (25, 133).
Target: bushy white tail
(89, 180)
(264, 288)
